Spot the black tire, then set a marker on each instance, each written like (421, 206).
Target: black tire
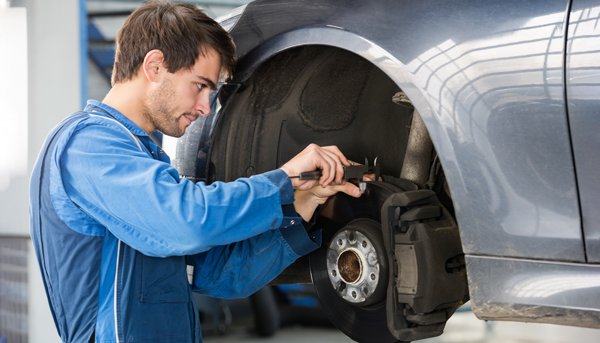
(266, 313)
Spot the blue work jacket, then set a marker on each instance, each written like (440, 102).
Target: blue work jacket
(122, 241)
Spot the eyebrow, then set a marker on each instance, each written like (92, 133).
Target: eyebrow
(209, 82)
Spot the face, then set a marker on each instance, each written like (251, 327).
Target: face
(180, 98)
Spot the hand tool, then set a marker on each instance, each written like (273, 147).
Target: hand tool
(351, 172)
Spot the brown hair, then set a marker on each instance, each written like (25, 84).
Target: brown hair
(181, 31)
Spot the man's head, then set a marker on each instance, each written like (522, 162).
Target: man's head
(181, 31)
(179, 52)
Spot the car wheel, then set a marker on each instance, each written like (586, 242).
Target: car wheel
(350, 270)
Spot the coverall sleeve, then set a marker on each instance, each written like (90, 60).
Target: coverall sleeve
(240, 269)
(143, 202)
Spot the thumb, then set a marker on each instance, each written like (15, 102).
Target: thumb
(348, 188)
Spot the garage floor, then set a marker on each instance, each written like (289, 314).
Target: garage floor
(463, 327)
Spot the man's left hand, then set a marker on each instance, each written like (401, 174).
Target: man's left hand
(307, 201)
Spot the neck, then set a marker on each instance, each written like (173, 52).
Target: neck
(128, 99)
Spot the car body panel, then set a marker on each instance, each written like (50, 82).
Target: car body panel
(487, 79)
(583, 94)
(534, 291)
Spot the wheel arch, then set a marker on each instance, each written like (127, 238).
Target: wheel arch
(382, 59)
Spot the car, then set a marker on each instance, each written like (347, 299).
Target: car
(483, 118)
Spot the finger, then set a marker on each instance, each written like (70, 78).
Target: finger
(339, 167)
(334, 149)
(303, 185)
(332, 168)
(348, 188)
(369, 177)
(328, 166)
(325, 167)
(307, 185)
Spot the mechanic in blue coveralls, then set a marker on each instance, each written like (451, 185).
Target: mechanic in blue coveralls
(115, 229)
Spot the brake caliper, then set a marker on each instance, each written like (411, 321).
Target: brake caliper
(427, 276)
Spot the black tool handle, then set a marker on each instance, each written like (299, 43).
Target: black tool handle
(313, 175)
(352, 172)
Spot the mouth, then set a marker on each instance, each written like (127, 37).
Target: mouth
(189, 118)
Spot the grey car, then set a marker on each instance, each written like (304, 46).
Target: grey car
(484, 117)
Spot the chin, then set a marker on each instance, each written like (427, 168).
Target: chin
(175, 134)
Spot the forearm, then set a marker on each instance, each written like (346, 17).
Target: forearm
(240, 269)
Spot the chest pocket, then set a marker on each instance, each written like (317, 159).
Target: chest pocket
(164, 280)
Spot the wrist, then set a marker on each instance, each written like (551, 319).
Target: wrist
(306, 204)
(287, 170)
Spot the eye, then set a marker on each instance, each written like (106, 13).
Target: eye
(200, 86)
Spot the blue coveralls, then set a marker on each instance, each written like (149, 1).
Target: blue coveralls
(116, 231)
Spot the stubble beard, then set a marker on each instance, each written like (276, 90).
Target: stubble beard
(160, 110)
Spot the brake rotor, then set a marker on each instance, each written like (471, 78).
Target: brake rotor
(350, 270)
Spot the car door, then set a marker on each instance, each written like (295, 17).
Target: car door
(583, 102)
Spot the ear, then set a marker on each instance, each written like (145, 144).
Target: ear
(153, 66)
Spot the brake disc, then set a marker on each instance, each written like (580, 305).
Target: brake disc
(350, 270)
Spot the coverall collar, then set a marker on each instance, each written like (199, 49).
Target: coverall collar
(97, 106)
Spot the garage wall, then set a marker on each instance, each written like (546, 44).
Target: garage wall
(54, 92)
(52, 77)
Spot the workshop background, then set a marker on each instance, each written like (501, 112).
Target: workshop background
(55, 54)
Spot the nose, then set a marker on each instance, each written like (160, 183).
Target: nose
(202, 106)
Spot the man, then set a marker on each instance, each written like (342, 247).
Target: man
(114, 228)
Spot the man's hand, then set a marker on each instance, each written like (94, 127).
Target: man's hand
(329, 159)
(307, 201)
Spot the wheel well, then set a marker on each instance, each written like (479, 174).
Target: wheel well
(311, 94)
(314, 94)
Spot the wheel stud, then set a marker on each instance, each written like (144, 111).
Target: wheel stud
(364, 244)
(352, 236)
(333, 273)
(340, 242)
(354, 294)
(373, 277)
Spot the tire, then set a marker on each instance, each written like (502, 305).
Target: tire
(266, 313)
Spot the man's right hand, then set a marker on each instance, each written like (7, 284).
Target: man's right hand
(329, 160)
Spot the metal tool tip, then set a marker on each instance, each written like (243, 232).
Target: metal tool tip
(362, 186)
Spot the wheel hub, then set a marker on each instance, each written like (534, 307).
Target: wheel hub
(347, 218)
(353, 266)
